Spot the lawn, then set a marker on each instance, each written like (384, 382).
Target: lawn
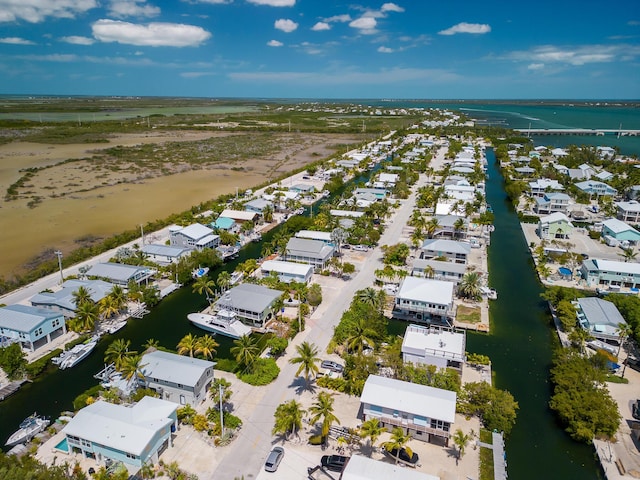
(466, 314)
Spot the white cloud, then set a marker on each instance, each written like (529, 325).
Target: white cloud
(391, 7)
(132, 8)
(536, 66)
(383, 49)
(76, 40)
(213, 2)
(16, 41)
(477, 28)
(633, 23)
(274, 3)
(274, 43)
(150, 35)
(35, 11)
(344, 18)
(285, 25)
(576, 56)
(321, 26)
(196, 74)
(366, 25)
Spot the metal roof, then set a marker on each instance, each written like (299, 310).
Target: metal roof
(290, 268)
(314, 235)
(63, 298)
(24, 318)
(426, 290)
(249, 297)
(421, 400)
(599, 312)
(364, 468)
(116, 271)
(174, 368)
(121, 428)
(448, 246)
(308, 248)
(166, 250)
(195, 231)
(442, 342)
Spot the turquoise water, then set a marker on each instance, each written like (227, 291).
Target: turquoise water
(63, 446)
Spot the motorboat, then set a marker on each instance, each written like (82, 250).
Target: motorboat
(29, 427)
(228, 252)
(223, 322)
(78, 353)
(117, 326)
(236, 277)
(200, 272)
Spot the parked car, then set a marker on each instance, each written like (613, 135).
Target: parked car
(274, 459)
(346, 246)
(635, 410)
(404, 456)
(333, 366)
(633, 363)
(335, 463)
(361, 248)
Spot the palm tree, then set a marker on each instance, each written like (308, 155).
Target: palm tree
(361, 334)
(244, 350)
(107, 306)
(118, 296)
(151, 343)
(371, 429)
(458, 226)
(267, 213)
(398, 440)
(204, 285)
(224, 280)
(628, 254)
(323, 409)
(429, 271)
(206, 345)
(579, 336)
(81, 295)
(432, 227)
(307, 358)
(188, 345)
(369, 296)
(131, 367)
(87, 314)
(470, 286)
(416, 238)
(117, 351)
(624, 331)
(214, 392)
(288, 418)
(460, 440)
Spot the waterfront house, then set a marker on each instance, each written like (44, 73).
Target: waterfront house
(599, 317)
(176, 378)
(324, 237)
(365, 468)
(164, 254)
(195, 237)
(240, 216)
(29, 326)
(302, 188)
(257, 205)
(224, 223)
(438, 270)
(425, 300)
(376, 193)
(559, 152)
(63, 301)
(593, 187)
(598, 272)
(431, 345)
(541, 186)
(621, 231)
(120, 274)
(628, 211)
(425, 413)
(346, 213)
(447, 226)
(606, 152)
(604, 176)
(287, 271)
(134, 435)
(450, 250)
(313, 252)
(552, 202)
(252, 303)
(553, 226)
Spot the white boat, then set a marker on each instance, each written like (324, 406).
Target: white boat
(114, 328)
(200, 272)
(236, 277)
(256, 237)
(29, 427)
(223, 322)
(78, 353)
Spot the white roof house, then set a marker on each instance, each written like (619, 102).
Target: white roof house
(132, 434)
(288, 271)
(450, 249)
(425, 411)
(177, 378)
(346, 213)
(164, 254)
(628, 211)
(364, 468)
(250, 302)
(239, 215)
(313, 252)
(193, 236)
(442, 347)
(315, 235)
(63, 300)
(597, 271)
(120, 273)
(600, 317)
(424, 299)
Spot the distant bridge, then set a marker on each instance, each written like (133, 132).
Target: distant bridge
(578, 131)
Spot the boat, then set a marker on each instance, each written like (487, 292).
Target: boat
(200, 272)
(256, 237)
(114, 328)
(223, 322)
(236, 277)
(29, 427)
(490, 293)
(78, 353)
(229, 252)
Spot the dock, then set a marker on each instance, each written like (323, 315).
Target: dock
(10, 389)
(579, 131)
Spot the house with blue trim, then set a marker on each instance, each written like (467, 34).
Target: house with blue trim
(32, 327)
(593, 187)
(620, 230)
(133, 435)
(63, 300)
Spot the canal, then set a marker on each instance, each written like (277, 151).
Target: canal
(520, 348)
(167, 323)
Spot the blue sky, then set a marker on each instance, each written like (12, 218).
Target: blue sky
(321, 48)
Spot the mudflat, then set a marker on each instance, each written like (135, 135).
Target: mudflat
(80, 191)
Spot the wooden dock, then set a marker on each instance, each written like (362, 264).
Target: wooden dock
(10, 389)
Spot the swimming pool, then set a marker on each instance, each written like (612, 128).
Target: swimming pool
(63, 446)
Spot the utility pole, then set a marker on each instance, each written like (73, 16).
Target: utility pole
(58, 254)
(142, 234)
(221, 413)
(299, 314)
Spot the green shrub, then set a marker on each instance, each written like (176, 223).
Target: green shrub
(277, 345)
(226, 364)
(594, 235)
(143, 392)
(338, 384)
(316, 440)
(35, 368)
(263, 371)
(81, 400)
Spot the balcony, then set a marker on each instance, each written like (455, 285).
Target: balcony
(405, 423)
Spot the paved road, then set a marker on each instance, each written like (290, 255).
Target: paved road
(247, 453)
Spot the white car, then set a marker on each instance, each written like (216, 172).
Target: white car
(361, 248)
